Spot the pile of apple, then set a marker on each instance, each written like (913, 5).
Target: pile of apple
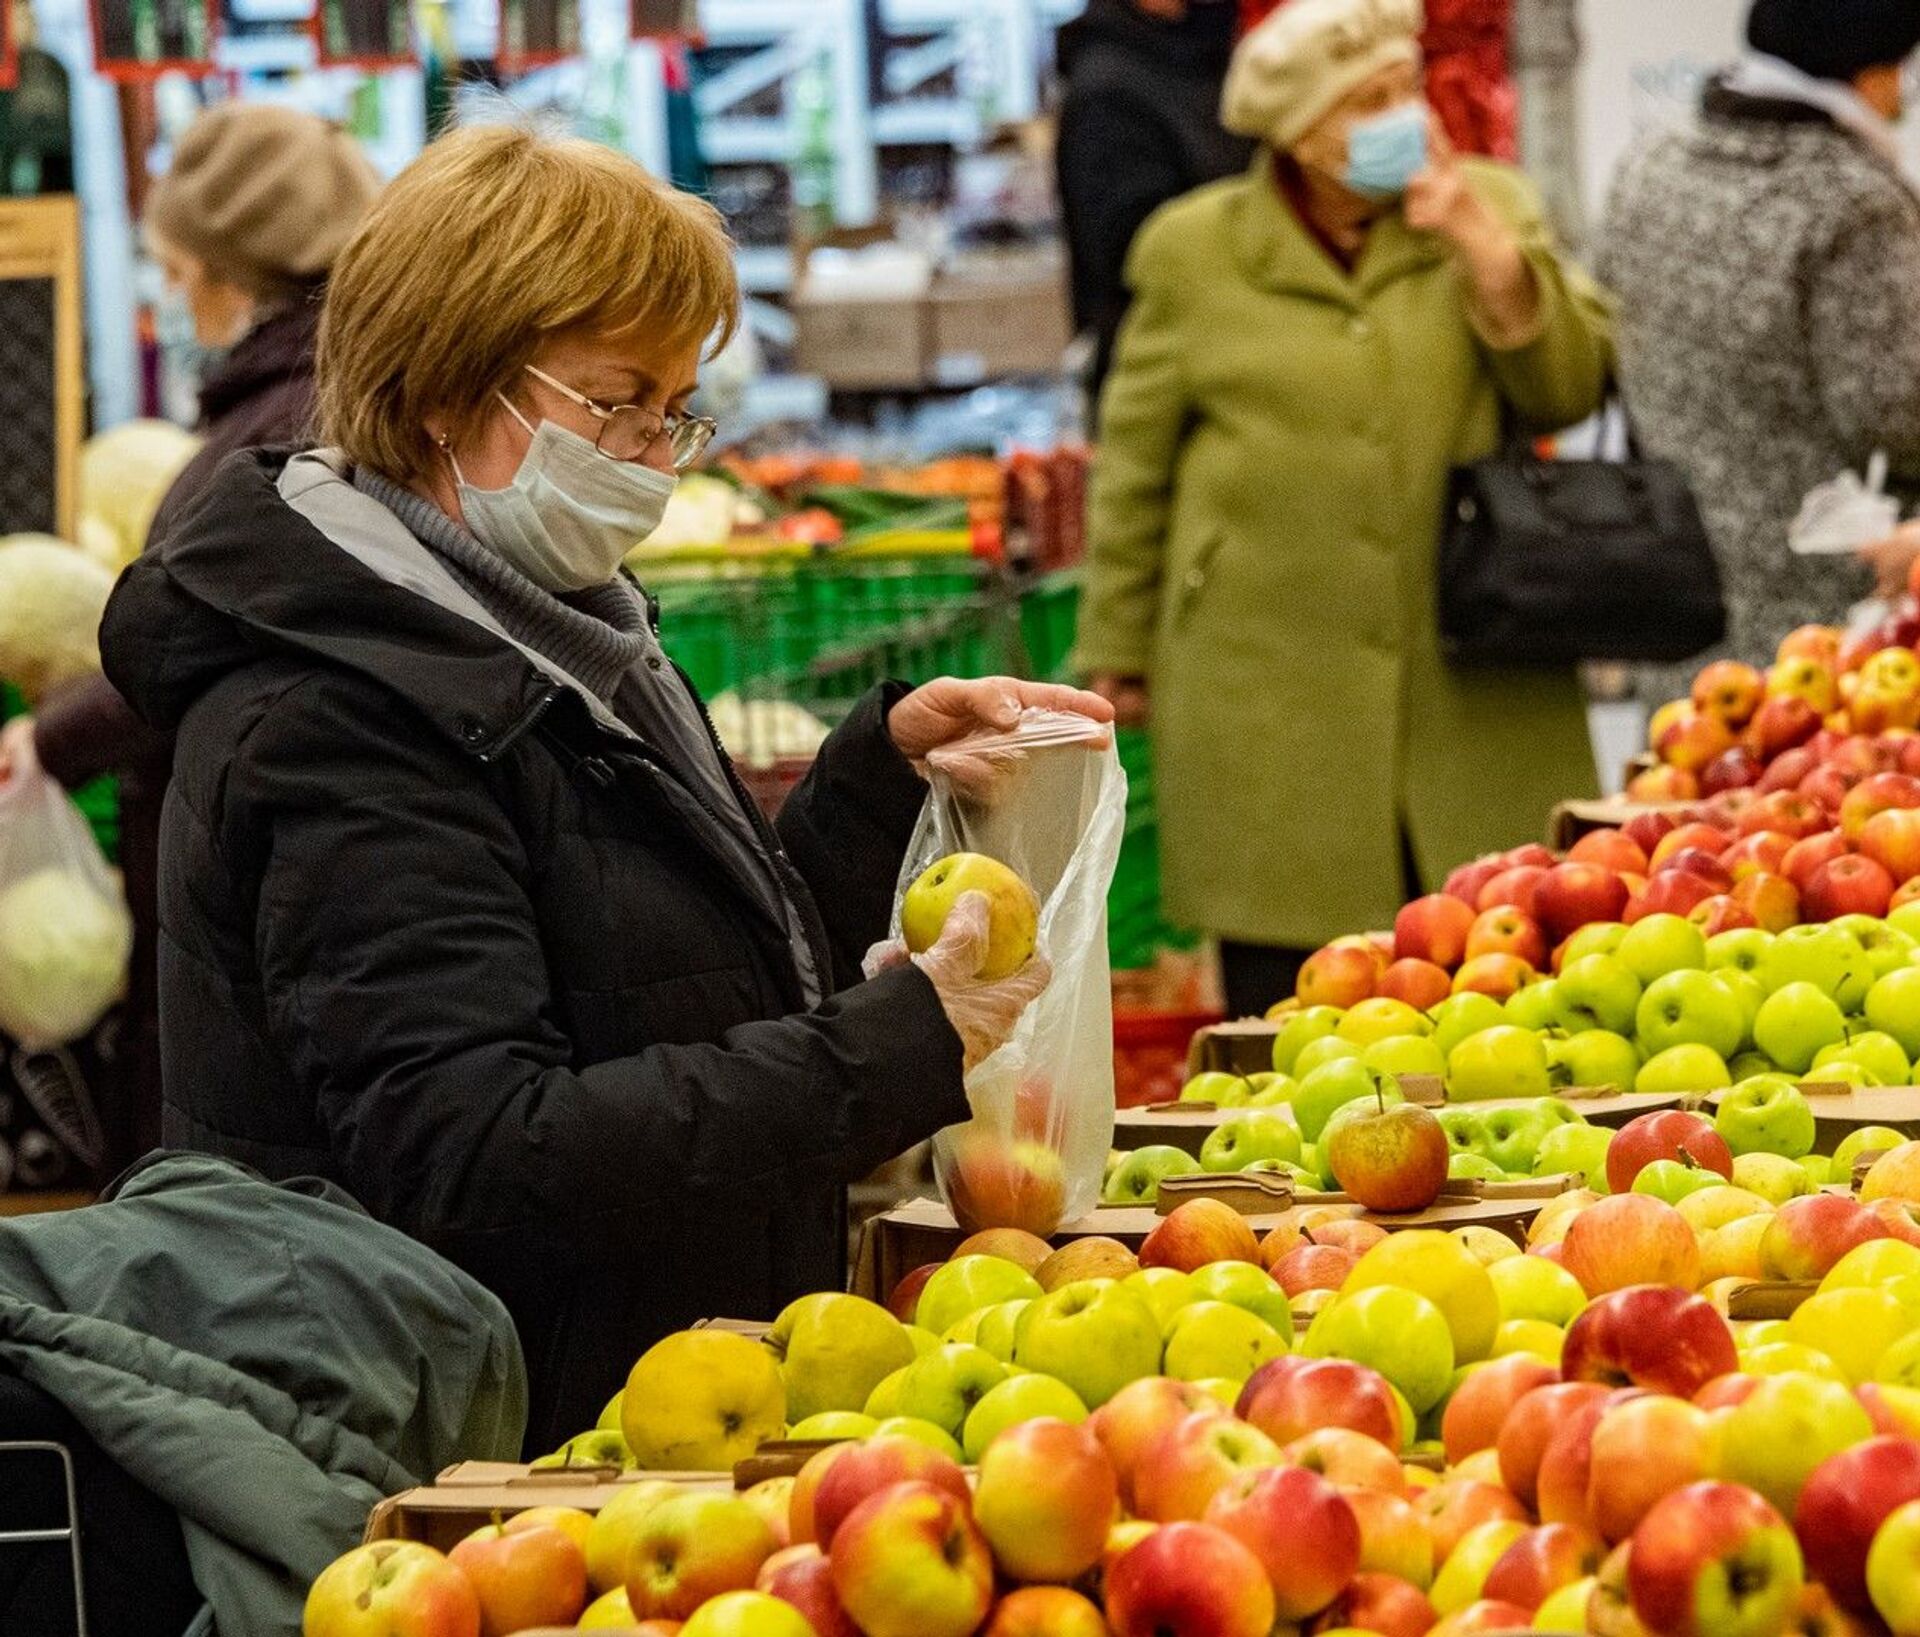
(1467, 1438)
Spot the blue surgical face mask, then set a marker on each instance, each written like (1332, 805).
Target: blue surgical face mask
(1388, 151)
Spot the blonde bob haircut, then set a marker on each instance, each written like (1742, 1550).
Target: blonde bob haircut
(494, 240)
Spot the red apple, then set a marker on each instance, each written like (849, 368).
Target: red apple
(992, 1181)
(1572, 895)
(1192, 1461)
(1735, 769)
(1301, 1529)
(1289, 1397)
(1611, 849)
(1772, 900)
(1844, 1502)
(1721, 913)
(905, 1296)
(1672, 892)
(1854, 885)
(1808, 1236)
(1392, 1538)
(1313, 1267)
(691, 1547)
(1693, 740)
(1420, 984)
(1714, 1560)
(1390, 1158)
(1901, 1217)
(1654, 1336)
(1046, 1611)
(1433, 928)
(1504, 930)
(523, 1577)
(1693, 836)
(1644, 830)
(1465, 882)
(1348, 1459)
(1540, 1562)
(1818, 1615)
(910, 1562)
(1780, 724)
(1478, 1407)
(1189, 1577)
(1348, 1233)
(1904, 894)
(1529, 1426)
(392, 1588)
(1336, 977)
(806, 1485)
(1757, 850)
(1698, 861)
(1827, 786)
(1631, 1239)
(1131, 1422)
(1381, 1603)
(1044, 1499)
(1877, 793)
(802, 1576)
(1729, 690)
(1784, 813)
(1199, 1232)
(870, 1467)
(1642, 1451)
(1499, 976)
(1820, 643)
(1485, 1614)
(1561, 1486)
(1892, 840)
(1669, 1134)
(1512, 888)
(1454, 1507)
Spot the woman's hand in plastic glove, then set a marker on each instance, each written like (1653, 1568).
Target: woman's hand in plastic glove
(983, 1011)
(951, 708)
(17, 756)
(1892, 561)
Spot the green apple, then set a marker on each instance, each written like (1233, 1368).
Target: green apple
(1595, 938)
(1165, 1290)
(1893, 1006)
(1514, 1136)
(1683, 1069)
(1905, 918)
(1799, 1018)
(884, 1400)
(1750, 992)
(1393, 1330)
(1594, 1058)
(1271, 1090)
(997, 1328)
(1866, 1139)
(1689, 1009)
(1740, 950)
(1329, 1087)
(1137, 1181)
(1774, 1177)
(923, 1339)
(921, 1432)
(1381, 1019)
(1749, 1063)
(967, 1284)
(1499, 1062)
(1465, 1129)
(1093, 1335)
(1887, 948)
(1297, 1028)
(1596, 992)
(1331, 1048)
(1466, 1167)
(1235, 1144)
(1766, 1115)
(1017, 1399)
(1575, 1150)
(834, 1349)
(1817, 954)
(1221, 1090)
(943, 1386)
(1241, 1284)
(1660, 944)
(1843, 1071)
(833, 1425)
(1537, 1006)
(1773, 1438)
(1531, 1287)
(1672, 1180)
(1406, 1054)
(1818, 1167)
(1218, 1340)
(1459, 1016)
(1874, 1050)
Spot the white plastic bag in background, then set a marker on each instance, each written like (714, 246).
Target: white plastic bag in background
(1049, 807)
(65, 933)
(1846, 515)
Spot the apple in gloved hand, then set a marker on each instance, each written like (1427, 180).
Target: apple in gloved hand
(1013, 910)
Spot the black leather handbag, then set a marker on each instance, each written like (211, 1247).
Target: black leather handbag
(1550, 562)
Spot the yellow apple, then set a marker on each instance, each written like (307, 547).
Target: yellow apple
(1013, 910)
(834, 1349)
(611, 1535)
(701, 1400)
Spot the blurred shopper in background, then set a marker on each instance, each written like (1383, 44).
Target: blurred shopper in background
(1139, 126)
(1312, 347)
(1766, 261)
(246, 223)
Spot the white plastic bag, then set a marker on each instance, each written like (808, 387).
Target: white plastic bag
(65, 933)
(1051, 808)
(1846, 515)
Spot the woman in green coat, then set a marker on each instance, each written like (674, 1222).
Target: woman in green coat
(1311, 349)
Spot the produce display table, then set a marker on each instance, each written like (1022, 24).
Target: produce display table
(467, 1496)
(1837, 1112)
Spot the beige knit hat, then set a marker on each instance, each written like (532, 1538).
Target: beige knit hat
(1308, 55)
(265, 196)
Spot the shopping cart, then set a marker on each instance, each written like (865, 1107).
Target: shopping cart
(16, 1459)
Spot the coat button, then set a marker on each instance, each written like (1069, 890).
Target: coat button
(1359, 329)
(1196, 578)
(473, 731)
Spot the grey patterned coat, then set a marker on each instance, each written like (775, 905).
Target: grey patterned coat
(1767, 267)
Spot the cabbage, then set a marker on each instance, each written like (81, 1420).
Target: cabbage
(125, 472)
(701, 513)
(63, 957)
(759, 730)
(51, 596)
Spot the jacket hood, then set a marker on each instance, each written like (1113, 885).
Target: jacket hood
(1199, 43)
(282, 556)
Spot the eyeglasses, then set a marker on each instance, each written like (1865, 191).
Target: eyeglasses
(630, 432)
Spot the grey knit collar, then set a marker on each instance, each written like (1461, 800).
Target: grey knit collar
(597, 635)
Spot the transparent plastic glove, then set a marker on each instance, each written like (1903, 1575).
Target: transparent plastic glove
(17, 754)
(983, 1012)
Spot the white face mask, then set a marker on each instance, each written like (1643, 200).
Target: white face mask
(571, 514)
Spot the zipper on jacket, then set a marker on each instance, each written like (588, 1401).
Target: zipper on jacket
(514, 734)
